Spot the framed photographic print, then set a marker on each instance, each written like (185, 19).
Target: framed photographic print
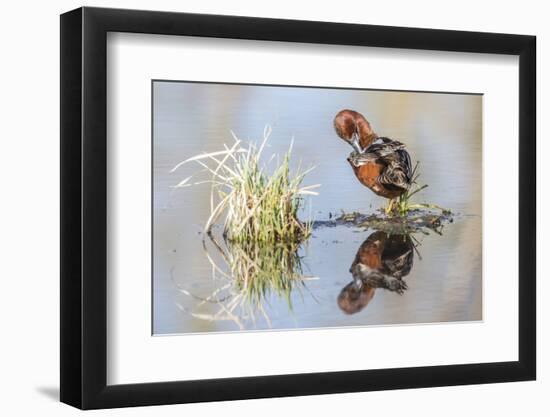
(258, 207)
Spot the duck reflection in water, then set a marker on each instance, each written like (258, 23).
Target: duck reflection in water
(382, 261)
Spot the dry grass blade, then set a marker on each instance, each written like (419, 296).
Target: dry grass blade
(204, 156)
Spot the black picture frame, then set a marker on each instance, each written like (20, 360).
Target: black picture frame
(84, 207)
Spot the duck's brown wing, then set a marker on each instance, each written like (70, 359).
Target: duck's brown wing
(383, 149)
(398, 256)
(397, 173)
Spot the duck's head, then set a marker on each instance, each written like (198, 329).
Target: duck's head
(353, 128)
(354, 297)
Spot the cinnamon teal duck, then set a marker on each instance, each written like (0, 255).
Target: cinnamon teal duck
(379, 163)
(382, 261)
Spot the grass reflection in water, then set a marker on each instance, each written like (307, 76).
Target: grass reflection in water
(249, 274)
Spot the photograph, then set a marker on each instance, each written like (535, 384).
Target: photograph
(266, 209)
(296, 207)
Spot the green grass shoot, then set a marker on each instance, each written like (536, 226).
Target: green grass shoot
(403, 205)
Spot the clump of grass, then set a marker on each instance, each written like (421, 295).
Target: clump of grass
(403, 205)
(258, 205)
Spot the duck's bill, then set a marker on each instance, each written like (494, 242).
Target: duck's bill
(355, 144)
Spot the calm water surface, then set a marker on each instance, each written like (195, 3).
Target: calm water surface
(443, 280)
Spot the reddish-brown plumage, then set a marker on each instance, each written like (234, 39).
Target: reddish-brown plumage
(351, 300)
(370, 254)
(368, 174)
(348, 122)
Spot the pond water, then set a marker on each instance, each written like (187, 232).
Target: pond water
(425, 277)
